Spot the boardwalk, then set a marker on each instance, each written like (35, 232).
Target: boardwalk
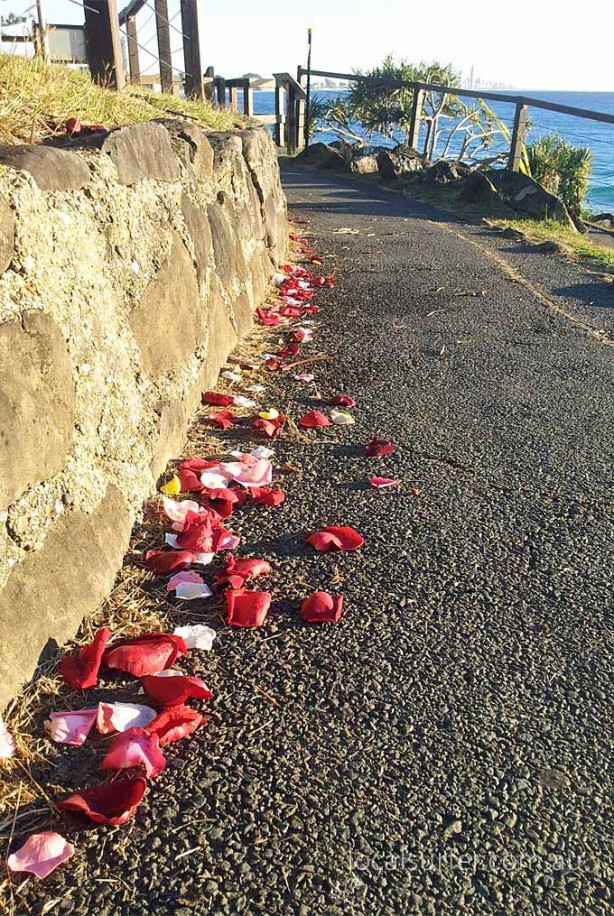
(446, 745)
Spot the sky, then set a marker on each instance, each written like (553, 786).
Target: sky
(528, 44)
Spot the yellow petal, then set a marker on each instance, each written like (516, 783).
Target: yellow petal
(270, 414)
(172, 488)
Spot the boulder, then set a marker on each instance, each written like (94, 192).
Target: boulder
(445, 172)
(392, 163)
(478, 189)
(37, 403)
(525, 194)
(142, 151)
(52, 169)
(364, 161)
(323, 156)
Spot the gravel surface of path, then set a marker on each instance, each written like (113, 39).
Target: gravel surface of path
(445, 747)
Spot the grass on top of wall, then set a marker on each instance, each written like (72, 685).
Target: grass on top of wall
(36, 100)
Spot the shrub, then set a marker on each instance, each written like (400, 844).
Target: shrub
(561, 168)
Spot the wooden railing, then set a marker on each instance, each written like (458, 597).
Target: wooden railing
(521, 103)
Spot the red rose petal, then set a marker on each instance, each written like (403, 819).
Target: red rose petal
(134, 748)
(189, 481)
(174, 691)
(198, 465)
(322, 608)
(377, 448)
(217, 400)
(165, 562)
(112, 804)
(267, 496)
(381, 483)
(313, 419)
(81, 670)
(223, 418)
(175, 723)
(247, 609)
(270, 428)
(145, 654)
(335, 537)
(237, 571)
(342, 400)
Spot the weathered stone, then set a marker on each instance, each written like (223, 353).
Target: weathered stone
(194, 144)
(392, 163)
(229, 261)
(7, 235)
(168, 323)
(142, 151)
(445, 172)
(221, 338)
(276, 226)
(174, 417)
(52, 169)
(243, 314)
(323, 156)
(37, 403)
(525, 194)
(550, 246)
(50, 592)
(364, 161)
(228, 161)
(478, 189)
(200, 233)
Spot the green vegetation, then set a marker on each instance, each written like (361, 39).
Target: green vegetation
(581, 246)
(36, 100)
(562, 169)
(386, 110)
(499, 216)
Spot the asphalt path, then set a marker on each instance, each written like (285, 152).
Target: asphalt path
(445, 747)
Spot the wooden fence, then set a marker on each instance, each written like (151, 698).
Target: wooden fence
(104, 56)
(521, 106)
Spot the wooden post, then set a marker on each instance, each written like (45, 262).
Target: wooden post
(102, 43)
(414, 123)
(133, 51)
(248, 99)
(292, 123)
(280, 123)
(191, 50)
(234, 97)
(220, 91)
(519, 135)
(301, 110)
(210, 87)
(164, 45)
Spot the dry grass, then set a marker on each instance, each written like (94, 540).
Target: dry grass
(36, 100)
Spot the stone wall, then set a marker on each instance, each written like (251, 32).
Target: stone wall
(129, 267)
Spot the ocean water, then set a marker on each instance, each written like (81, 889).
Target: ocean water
(599, 136)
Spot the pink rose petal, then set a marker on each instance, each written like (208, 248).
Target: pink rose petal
(135, 748)
(41, 854)
(7, 742)
(119, 717)
(71, 727)
(182, 577)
